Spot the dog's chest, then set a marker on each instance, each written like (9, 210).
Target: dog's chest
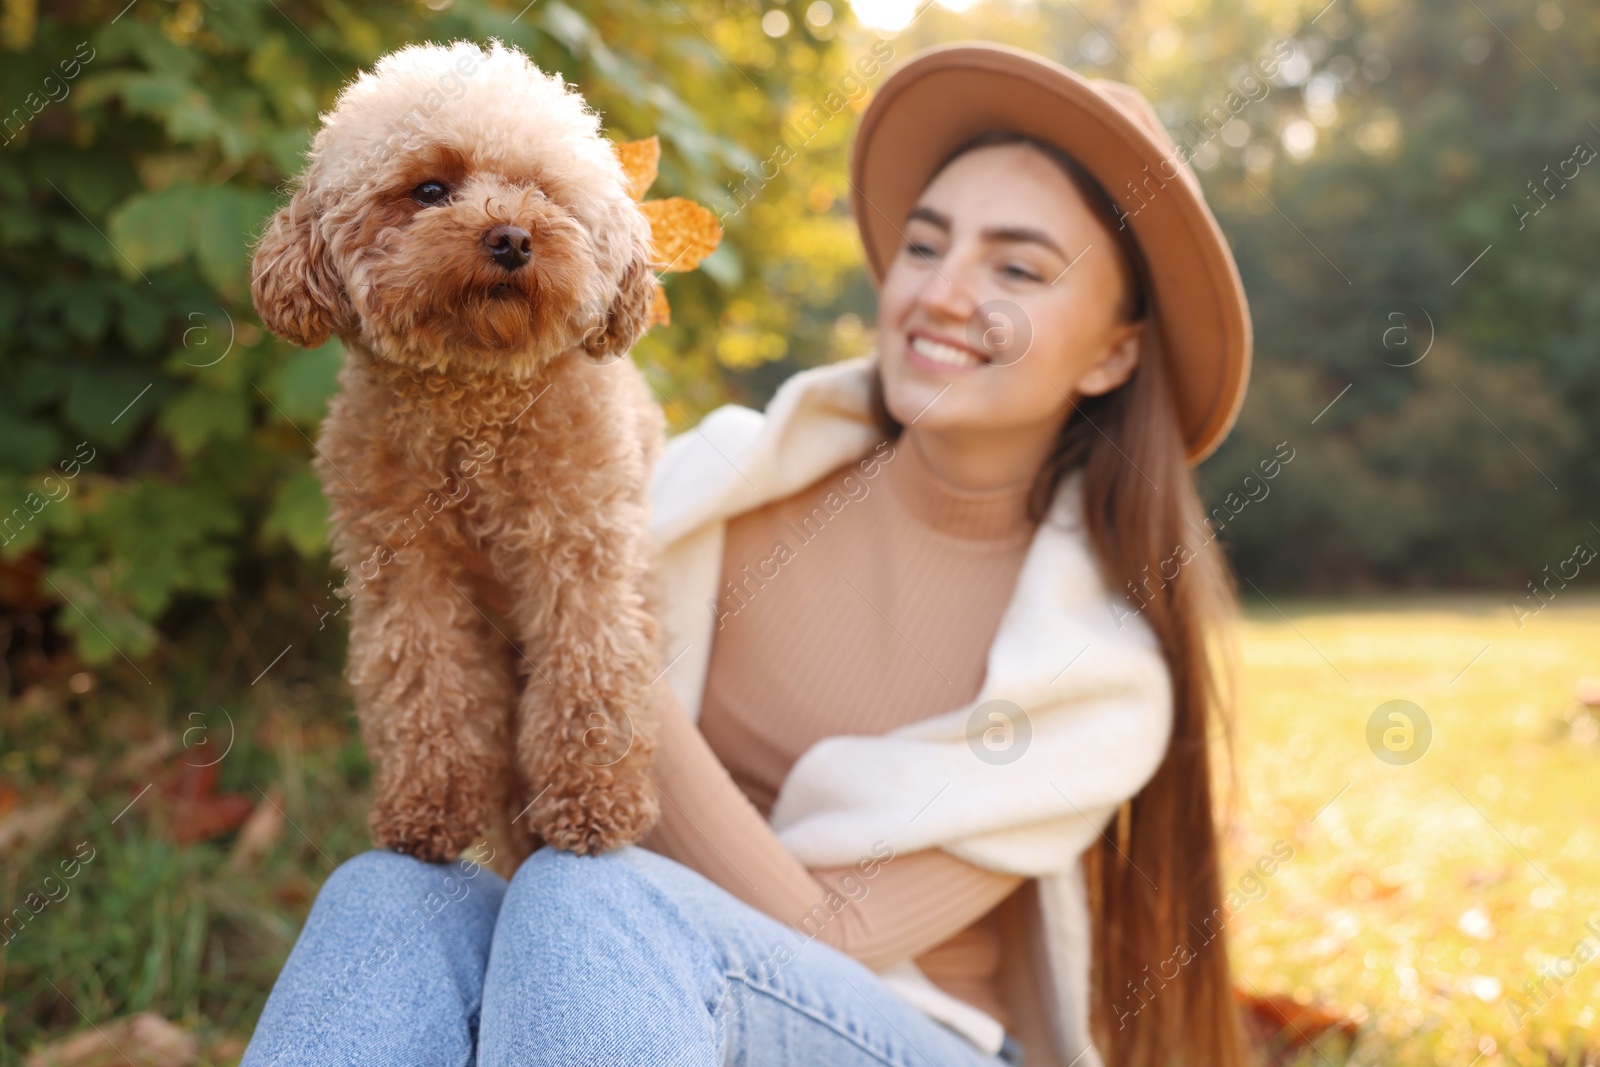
(516, 442)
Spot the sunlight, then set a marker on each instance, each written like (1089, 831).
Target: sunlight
(886, 14)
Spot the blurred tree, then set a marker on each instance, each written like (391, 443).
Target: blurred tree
(1375, 201)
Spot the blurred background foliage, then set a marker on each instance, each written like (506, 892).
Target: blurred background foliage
(1425, 343)
(145, 144)
(1397, 142)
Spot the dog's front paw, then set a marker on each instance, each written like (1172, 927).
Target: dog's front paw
(423, 829)
(590, 809)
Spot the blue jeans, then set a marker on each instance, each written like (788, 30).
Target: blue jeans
(622, 959)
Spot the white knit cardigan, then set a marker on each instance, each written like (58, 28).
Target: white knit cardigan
(1096, 695)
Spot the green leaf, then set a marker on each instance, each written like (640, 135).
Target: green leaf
(305, 382)
(201, 414)
(215, 225)
(38, 382)
(93, 182)
(165, 539)
(221, 230)
(141, 323)
(86, 311)
(287, 149)
(76, 238)
(20, 527)
(26, 443)
(104, 628)
(300, 515)
(131, 37)
(20, 225)
(107, 404)
(152, 229)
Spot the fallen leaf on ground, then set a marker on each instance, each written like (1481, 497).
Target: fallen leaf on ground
(228, 1048)
(259, 832)
(195, 810)
(144, 1040)
(139, 759)
(293, 891)
(1284, 1027)
(28, 823)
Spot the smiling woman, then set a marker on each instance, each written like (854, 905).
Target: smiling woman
(1048, 383)
(1015, 227)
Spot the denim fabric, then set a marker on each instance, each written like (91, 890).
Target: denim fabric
(621, 959)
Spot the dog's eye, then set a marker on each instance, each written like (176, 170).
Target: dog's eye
(430, 193)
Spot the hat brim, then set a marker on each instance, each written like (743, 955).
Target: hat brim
(943, 96)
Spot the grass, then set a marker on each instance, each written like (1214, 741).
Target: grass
(1425, 895)
(193, 932)
(1419, 899)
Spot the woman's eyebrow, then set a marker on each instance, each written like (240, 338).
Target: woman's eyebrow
(1026, 234)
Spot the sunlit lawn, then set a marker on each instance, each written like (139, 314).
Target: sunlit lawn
(1424, 898)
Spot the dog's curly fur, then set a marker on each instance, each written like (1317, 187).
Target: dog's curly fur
(490, 422)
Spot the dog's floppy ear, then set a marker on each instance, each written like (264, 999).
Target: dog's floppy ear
(629, 314)
(296, 290)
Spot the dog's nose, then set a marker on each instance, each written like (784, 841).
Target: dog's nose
(509, 246)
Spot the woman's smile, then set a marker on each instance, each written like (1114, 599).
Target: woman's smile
(941, 354)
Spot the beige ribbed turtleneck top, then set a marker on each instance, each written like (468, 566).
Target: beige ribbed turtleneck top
(863, 603)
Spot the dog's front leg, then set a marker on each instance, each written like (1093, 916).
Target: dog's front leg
(432, 691)
(586, 726)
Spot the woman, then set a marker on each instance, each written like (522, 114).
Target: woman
(942, 618)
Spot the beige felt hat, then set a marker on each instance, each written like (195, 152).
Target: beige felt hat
(941, 97)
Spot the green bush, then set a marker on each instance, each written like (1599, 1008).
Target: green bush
(163, 137)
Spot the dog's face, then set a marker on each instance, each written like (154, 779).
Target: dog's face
(461, 210)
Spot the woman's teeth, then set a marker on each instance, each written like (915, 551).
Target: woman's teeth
(949, 355)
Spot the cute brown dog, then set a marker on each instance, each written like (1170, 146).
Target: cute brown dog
(467, 232)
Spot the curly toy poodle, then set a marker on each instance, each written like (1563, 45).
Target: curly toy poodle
(466, 230)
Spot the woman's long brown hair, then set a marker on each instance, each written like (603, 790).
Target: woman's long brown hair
(1163, 994)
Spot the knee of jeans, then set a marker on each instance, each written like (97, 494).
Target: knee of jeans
(374, 877)
(552, 883)
(554, 871)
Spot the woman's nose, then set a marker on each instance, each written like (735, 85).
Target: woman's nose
(947, 292)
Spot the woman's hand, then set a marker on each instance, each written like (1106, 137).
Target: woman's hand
(906, 905)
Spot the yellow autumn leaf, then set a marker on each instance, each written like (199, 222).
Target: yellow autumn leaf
(685, 232)
(640, 162)
(682, 232)
(660, 310)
